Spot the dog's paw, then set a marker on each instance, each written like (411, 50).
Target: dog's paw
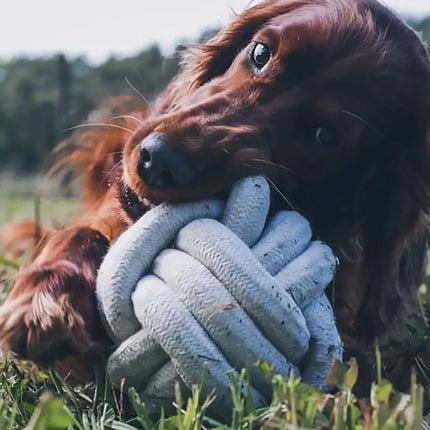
(50, 313)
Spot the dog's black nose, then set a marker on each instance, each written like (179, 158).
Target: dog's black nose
(162, 165)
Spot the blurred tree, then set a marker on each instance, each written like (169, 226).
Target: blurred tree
(64, 88)
(41, 97)
(422, 26)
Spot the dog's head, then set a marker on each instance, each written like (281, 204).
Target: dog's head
(331, 100)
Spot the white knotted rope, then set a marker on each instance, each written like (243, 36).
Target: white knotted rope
(203, 284)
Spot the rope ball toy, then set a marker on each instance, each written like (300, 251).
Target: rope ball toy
(218, 285)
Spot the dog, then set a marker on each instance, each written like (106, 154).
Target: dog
(330, 99)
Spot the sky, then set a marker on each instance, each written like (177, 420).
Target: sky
(100, 28)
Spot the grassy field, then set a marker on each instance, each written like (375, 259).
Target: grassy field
(52, 211)
(37, 399)
(19, 199)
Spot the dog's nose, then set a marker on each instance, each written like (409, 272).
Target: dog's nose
(162, 165)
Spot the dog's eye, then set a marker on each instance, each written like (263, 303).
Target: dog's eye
(327, 136)
(260, 55)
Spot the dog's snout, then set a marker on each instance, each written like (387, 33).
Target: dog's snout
(163, 165)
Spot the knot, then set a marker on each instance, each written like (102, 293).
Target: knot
(213, 284)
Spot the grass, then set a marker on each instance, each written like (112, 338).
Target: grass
(18, 200)
(52, 210)
(35, 399)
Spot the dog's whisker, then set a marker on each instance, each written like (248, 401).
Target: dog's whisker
(127, 117)
(105, 176)
(356, 241)
(361, 119)
(111, 153)
(137, 91)
(242, 163)
(273, 185)
(271, 163)
(99, 124)
(346, 257)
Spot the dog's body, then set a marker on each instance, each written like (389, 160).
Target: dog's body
(329, 98)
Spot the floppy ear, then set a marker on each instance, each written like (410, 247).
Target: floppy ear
(395, 260)
(397, 240)
(393, 280)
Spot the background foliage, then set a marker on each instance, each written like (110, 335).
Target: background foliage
(41, 97)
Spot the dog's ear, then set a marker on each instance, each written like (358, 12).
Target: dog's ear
(395, 257)
(393, 279)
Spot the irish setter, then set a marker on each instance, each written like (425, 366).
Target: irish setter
(328, 98)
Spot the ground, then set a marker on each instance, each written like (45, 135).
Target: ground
(37, 399)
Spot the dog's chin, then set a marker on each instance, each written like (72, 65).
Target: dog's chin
(135, 205)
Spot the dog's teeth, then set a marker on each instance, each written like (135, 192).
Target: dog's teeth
(147, 203)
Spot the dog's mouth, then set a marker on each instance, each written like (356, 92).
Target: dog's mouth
(133, 205)
(136, 206)
(138, 196)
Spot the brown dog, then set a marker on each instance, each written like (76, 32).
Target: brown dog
(329, 98)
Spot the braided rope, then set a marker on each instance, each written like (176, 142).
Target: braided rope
(207, 284)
